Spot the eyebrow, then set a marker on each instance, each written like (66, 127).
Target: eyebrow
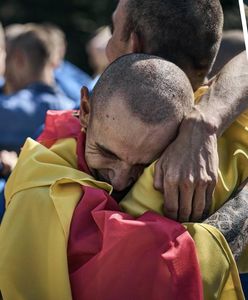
(107, 151)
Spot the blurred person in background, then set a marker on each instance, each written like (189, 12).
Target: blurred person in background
(7, 159)
(96, 50)
(68, 77)
(11, 32)
(2, 55)
(29, 91)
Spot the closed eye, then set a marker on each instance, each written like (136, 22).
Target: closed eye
(106, 152)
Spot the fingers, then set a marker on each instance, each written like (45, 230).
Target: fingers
(158, 177)
(171, 195)
(170, 191)
(209, 197)
(199, 202)
(187, 196)
(185, 201)
(188, 203)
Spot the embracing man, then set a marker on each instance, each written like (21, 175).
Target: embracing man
(187, 33)
(187, 190)
(64, 237)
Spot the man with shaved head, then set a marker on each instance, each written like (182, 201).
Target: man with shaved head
(187, 33)
(159, 101)
(61, 190)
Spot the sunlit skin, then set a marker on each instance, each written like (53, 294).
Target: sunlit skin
(119, 146)
(117, 45)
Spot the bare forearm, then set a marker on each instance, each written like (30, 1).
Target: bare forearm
(232, 221)
(228, 95)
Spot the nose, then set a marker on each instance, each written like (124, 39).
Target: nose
(121, 178)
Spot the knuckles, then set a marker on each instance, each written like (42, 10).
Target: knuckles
(158, 186)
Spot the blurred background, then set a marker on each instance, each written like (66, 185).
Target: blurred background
(36, 77)
(79, 19)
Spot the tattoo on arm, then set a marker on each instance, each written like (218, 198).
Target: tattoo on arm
(232, 221)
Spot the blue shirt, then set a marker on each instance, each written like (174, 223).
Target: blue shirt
(23, 113)
(1, 82)
(70, 79)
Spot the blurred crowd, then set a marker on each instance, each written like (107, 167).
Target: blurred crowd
(36, 77)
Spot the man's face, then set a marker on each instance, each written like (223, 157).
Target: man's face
(119, 146)
(118, 45)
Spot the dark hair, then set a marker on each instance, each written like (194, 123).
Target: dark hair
(154, 90)
(185, 32)
(35, 43)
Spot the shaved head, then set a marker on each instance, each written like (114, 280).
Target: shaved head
(185, 32)
(134, 113)
(155, 90)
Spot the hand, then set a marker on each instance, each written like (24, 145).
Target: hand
(186, 173)
(8, 161)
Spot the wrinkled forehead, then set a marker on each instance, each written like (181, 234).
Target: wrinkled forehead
(124, 134)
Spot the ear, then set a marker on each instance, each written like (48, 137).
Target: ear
(135, 43)
(84, 108)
